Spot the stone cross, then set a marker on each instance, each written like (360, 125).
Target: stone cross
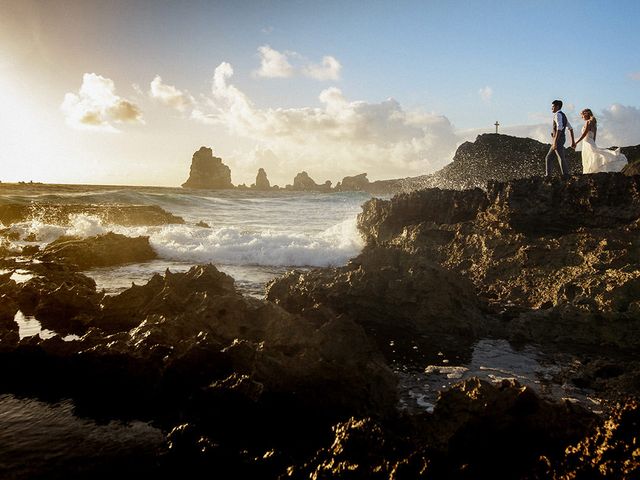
(497, 125)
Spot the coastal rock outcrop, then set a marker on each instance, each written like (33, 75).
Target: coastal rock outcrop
(208, 172)
(356, 183)
(262, 182)
(471, 423)
(99, 251)
(208, 352)
(551, 257)
(611, 451)
(496, 157)
(304, 183)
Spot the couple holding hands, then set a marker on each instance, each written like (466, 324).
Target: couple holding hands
(594, 159)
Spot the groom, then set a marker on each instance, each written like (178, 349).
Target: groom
(560, 123)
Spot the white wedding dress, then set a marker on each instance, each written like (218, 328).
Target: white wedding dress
(596, 159)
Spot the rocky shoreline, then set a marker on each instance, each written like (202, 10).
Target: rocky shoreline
(305, 382)
(300, 384)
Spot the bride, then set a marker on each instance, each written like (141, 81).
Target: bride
(594, 158)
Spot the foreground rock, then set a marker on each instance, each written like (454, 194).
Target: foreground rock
(477, 430)
(188, 349)
(612, 450)
(556, 261)
(100, 251)
(208, 172)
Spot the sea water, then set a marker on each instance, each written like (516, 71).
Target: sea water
(252, 236)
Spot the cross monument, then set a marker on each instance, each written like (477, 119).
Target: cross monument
(497, 125)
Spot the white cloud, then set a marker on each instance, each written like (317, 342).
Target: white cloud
(486, 93)
(328, 70)
(97, 107)
(619, 125)
(169, 95)
(341, 137)
(273, 64)
(635, 76)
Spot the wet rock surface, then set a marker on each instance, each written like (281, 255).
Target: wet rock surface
(537, 261)
(478, 430)
(252, 388)
(99, 251)
(545, 256)
(187, 347)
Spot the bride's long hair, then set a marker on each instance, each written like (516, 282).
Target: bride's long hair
(590, 117)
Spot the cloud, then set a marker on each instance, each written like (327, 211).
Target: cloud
(341, 137)
(635, 76)
(619, 125)
(169, 95)
(97, 107)
(328, 70)
(486, 93)
(273, 64)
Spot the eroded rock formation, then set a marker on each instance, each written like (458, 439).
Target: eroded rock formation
(477, 430)
(190, 337)
(554, 257)
(356, 183)
(98, 251)
(304, 183)
(262, 182)
(208, 172)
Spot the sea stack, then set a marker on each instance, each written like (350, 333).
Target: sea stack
(208, 171)
(303, 182)
(262, 182)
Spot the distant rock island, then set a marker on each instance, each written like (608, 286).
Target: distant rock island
(491, 157)
(208, 172)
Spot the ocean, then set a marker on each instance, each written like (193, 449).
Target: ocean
(252, 236)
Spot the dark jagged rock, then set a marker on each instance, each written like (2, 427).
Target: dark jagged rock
(632, 153)
(381, 220)
(611, 451)
(495, 157)
(262, 182)
(556, 257)
(632, 168)
(195, 342)
(99, 251)
(477, 430)
(392, 294)
(208, 172)
(60, 298)
(128, 215)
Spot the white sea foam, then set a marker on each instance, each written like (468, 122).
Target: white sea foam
(228, 245)
(238, 246)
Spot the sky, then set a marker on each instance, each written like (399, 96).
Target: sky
(124, 92)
